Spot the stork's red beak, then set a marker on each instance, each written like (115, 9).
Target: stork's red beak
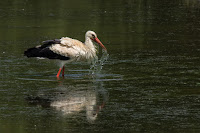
(99, 42)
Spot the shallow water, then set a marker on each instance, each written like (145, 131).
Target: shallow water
(149, 83)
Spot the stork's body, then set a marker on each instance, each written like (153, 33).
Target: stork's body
(67, 50)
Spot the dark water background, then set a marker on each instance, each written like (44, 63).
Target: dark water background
(150, 83)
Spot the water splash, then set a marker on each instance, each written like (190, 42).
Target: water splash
(97, 64)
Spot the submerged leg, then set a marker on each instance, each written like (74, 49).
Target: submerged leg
(63, 71)
(58, 74)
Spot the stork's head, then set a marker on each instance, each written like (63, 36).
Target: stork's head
(93, 36)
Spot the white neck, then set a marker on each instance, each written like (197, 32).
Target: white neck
(89, 44)
(91, 49)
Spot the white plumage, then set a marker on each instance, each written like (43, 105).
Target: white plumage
(67, 50)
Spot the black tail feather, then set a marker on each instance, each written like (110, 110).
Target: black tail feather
(32, 52)
(36, 51)
(45, 51)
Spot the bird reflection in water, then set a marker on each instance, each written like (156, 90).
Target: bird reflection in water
(71, 100)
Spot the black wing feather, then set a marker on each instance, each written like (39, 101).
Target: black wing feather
(44, 51)
(50, 42)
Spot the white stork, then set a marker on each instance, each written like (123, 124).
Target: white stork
(67, 50)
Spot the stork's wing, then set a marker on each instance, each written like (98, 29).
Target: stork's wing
(45, 51)
(69, 48)
(50, 42)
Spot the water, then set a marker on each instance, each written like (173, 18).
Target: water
(149, 83)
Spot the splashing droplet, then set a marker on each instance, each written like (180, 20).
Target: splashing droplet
(97, 64)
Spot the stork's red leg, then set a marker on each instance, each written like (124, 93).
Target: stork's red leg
(58, 74)
(63, 71)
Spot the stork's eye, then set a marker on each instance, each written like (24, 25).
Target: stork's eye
(93, 36)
